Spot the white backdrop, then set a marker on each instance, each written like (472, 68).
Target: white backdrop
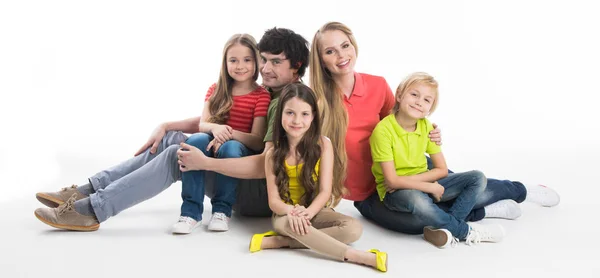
(84, 83)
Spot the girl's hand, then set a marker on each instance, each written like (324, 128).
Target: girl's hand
(222, 133)
(437, 191)
(299, 224)
(297, 210)
(215, 145)
(435, 135)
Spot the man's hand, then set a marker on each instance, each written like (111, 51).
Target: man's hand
(155, 138)
(190, 158)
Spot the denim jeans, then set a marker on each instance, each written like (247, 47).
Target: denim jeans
(373, 209)
(193, 186)
(137, 179)
(463, 188)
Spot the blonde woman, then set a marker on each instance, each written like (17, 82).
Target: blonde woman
(351, 105)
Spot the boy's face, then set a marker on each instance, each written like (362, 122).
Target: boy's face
(276, 71)
(416, 102)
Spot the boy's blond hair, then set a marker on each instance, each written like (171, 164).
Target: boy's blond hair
(413, 79)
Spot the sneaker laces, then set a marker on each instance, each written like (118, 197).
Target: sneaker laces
(68, 205)
(453, 242)
(67, 188)
(476, 236)
(219, 216)
(187, 220)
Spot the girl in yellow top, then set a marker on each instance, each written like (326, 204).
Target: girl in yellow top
(299, 171)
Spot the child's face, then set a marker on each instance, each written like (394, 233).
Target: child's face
(337, 53)
(417, 101)
(297, 117)
(240, 63)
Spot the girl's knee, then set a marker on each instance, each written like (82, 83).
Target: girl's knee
(231, 149)
(353, 230)
(199, 140)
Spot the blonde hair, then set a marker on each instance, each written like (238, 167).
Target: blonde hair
(221, 100)
(414, 79)
(334, 117)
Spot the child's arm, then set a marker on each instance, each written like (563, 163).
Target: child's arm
(439, 171)
(275, 202)
(325, 179)
(392, 180)
(220, 132)
(254, 139)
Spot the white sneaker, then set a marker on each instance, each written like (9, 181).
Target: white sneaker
(441, 238)
(219, 222)
(484, 233)
(185, 225)
(543, 195)
(507, 209)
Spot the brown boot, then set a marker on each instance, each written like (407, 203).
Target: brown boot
(55, 199)
(66, 217)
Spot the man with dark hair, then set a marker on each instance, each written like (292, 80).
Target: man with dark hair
(284, 59)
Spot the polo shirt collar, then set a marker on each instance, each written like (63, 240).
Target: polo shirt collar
(359, 88)
(401, 130)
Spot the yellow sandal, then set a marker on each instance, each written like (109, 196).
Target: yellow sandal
(382, 259)
(256, 241)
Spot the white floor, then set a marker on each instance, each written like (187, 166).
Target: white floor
(544, 242)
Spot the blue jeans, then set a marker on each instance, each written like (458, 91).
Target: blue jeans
(463, 188)
(192, 191)
(373, 209)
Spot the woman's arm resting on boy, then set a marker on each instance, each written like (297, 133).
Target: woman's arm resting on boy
(435, 135)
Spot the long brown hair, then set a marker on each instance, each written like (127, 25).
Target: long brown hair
(221, 100)
(331, 105)
(308, 149)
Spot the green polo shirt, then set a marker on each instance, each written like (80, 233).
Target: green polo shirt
(390, 142)
(270, 119)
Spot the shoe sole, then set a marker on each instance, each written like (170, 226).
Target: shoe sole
(218, 230)
(435, 237)
(69, 227)
(48, 200)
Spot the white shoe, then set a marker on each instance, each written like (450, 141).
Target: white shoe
(185, 225)
(441, 238)
(219, 222)
(506, 209)
(484, 233)
(543, 195)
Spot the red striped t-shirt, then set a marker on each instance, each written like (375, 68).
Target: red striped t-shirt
(245, 108)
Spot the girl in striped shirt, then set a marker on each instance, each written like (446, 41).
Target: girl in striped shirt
(233, 124)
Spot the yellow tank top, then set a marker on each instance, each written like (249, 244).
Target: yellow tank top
(296, 189)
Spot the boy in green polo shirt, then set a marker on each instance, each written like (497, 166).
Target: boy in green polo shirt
(404, 184)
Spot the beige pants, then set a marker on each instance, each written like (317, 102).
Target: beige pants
(329, 234)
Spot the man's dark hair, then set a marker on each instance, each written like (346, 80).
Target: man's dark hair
(295, 47)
